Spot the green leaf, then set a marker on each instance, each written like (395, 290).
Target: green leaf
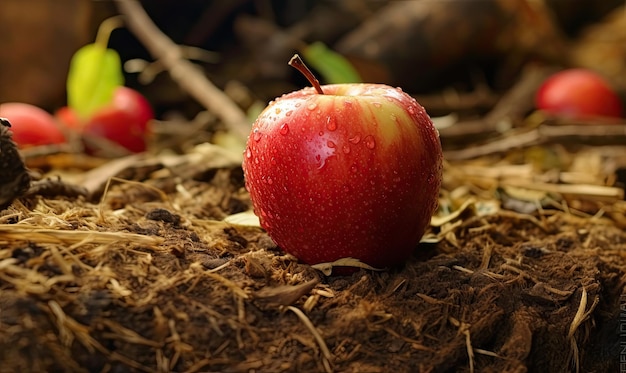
(333, 67)
(94, 74)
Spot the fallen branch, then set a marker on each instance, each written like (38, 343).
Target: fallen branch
(185, 73)
(590, 192)
(597, 134)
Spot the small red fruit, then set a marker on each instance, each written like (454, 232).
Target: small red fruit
(353, 172)
(578, 93)
(124, 121)
(68, 118)
(31, 125)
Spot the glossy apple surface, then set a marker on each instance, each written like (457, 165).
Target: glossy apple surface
(125, 120)
(354, 172)
(31, 125)
(578, 93)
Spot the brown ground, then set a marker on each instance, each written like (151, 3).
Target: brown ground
(151, 279)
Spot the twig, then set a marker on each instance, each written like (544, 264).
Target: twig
(583, 133)
(464, 328)
(592, 192)
(578, 319)
(15, 232)
(326, 355)
(183, 71)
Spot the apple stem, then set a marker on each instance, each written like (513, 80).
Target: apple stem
(297, 63)
(106, 28)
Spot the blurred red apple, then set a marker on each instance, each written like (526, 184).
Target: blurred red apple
(124, 121)
(31, 125)
(68, 118)
(353, 172)
(578, 93)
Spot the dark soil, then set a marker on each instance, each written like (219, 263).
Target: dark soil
(142, 283)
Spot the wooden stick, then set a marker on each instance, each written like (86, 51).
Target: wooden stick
(183, 71)
(594, 192)
(597, 134)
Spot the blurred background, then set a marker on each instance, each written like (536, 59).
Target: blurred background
(424, 46)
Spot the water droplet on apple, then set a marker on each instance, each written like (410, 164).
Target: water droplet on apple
(347, 102)
(355, 139)
(396, 179)
(370, 142)
(322, 162)
(289, 113)
(412, 110)
(312, 106)
(331, 123)
(256, 135)
(394, 117)
(263, 219)
(330, 144)
(346, 149)
(321, 133)
(431, 179)
(248, 153)
(284, 129)
(270, 181)
(377, 104)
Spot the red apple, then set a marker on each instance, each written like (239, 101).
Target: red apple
(125, 121)
(578, 93)
(68, 118)
(31, 125)
(353, 172)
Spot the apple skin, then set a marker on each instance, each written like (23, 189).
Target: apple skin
(354, 172)
(578, 93)
(31, 125)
